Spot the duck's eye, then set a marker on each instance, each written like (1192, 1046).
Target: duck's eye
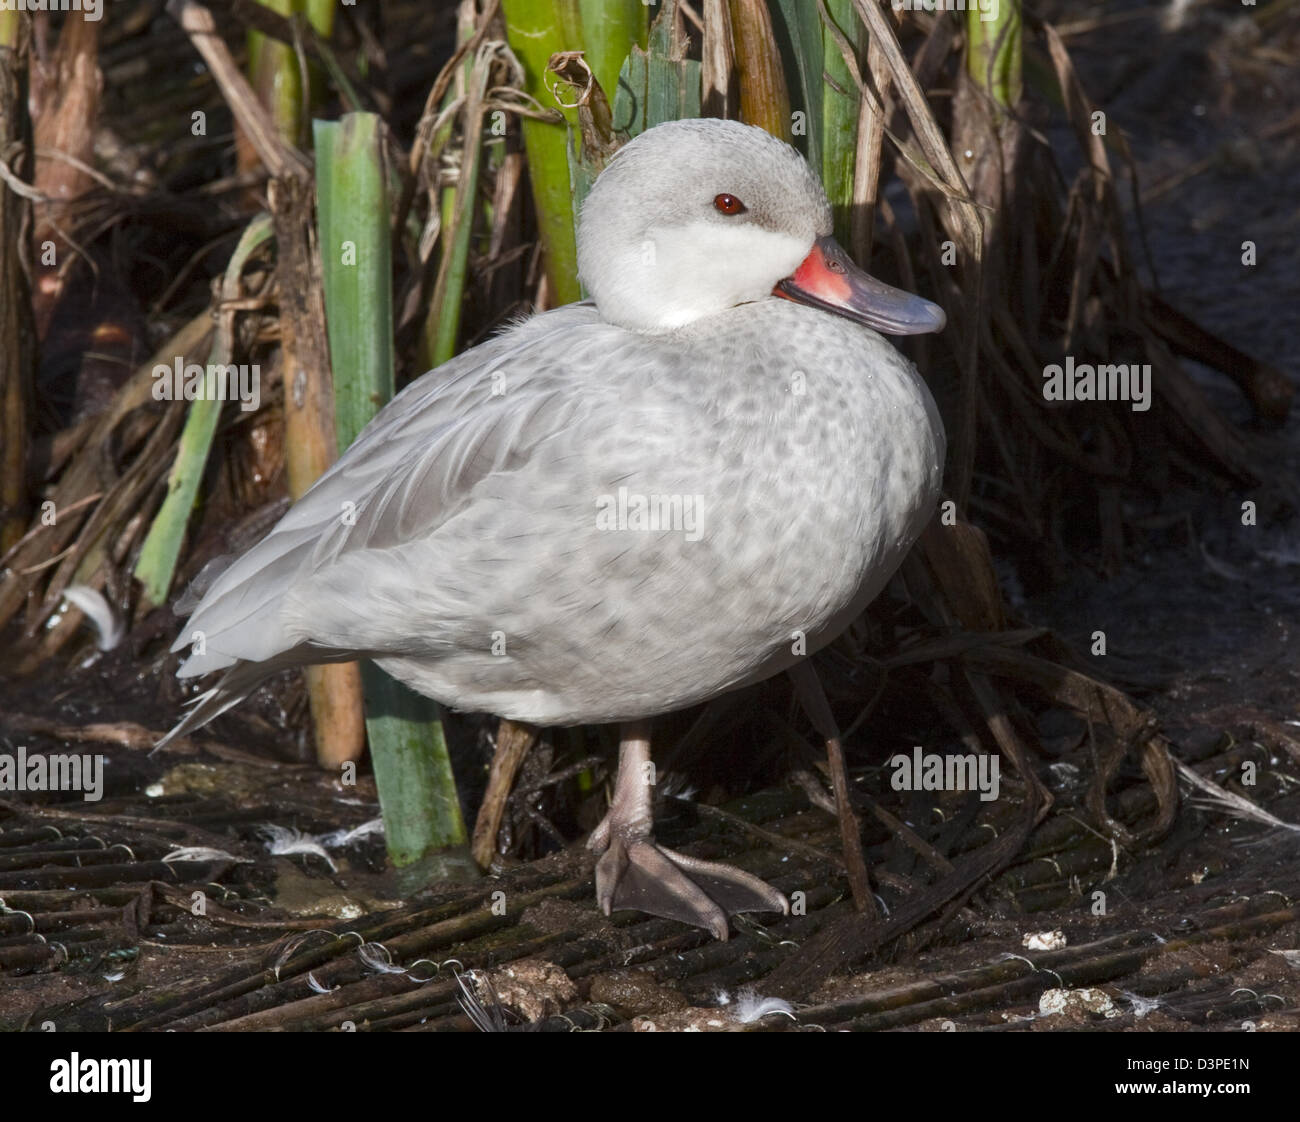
(728, 205)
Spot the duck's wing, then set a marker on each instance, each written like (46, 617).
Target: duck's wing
(413, 467)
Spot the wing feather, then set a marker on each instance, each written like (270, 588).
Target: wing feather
(415, 466)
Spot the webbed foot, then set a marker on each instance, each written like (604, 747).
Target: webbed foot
(637, 873)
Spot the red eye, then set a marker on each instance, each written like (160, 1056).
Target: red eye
(729, 204)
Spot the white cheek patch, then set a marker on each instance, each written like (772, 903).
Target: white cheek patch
(685, 272)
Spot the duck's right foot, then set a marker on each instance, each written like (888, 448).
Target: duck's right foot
(636, 873)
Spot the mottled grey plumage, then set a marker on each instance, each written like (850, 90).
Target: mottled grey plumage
(813, 446)
(463, 541)
(457, 541)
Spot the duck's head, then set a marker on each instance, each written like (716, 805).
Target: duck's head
(694, 217)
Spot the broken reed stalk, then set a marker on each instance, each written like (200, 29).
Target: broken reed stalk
(356, 268)
(156, 565)
(798, 37)
(334, 690)
(459, 200)
(610, 29)
(17, 329)
(286, 84)
(433, 137)
(417, 790)
(513, 743)
(994, 52)
(657, 84)
(279, 157)
(274, 74)
(841, 109)
(536, 30)
(764, 97)
(69, 89)
(718, 62)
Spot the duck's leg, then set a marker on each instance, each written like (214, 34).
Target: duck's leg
(635, 872)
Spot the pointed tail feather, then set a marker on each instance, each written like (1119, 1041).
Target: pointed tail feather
(242, 678)
(235, 685)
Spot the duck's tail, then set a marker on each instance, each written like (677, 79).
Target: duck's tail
(234, 685)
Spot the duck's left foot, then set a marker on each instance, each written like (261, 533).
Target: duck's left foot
(634, 872)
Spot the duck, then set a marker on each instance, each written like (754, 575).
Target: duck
(686, 483)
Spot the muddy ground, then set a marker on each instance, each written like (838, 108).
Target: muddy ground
(1199, 931)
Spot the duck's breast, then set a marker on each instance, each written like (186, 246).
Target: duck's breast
(831, 458)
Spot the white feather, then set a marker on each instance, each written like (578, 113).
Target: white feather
(108, 626)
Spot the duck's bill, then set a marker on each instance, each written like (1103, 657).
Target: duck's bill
(829, 279)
